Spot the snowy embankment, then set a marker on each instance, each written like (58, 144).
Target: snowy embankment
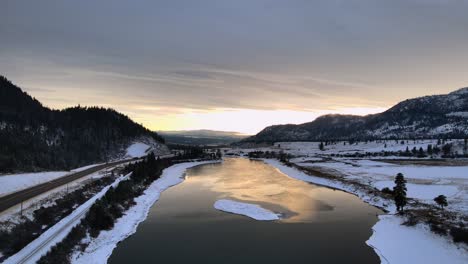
(393, 242)
(41, 245)
(251, 210)
(397, 243)
(100, 248)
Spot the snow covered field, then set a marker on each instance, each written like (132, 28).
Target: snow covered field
(424, 182)
(100, 249)
(251, 210)
(343, 147)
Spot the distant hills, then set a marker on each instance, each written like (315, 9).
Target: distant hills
(436, 116)
(201, 137)
(35, 137)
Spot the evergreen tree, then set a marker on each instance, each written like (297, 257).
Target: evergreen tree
(447, 149)
(421, 152)
(429, 149)
(399, 192)
(321, 146)
(441, 200)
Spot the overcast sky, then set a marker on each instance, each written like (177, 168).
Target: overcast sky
(234, 65)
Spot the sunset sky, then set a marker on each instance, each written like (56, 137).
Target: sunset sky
(234, 65)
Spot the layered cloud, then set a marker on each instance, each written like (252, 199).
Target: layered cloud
(163, 60)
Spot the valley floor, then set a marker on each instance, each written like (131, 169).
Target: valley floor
(365, 177)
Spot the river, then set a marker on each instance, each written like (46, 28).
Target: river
(318, 224)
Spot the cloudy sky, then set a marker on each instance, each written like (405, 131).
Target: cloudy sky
(234, 65)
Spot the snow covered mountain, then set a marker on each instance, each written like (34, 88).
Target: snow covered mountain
(433, 116)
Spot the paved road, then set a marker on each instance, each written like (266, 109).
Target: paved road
(23, 195)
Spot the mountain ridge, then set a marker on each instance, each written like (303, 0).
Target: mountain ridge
(431, 116)
(35, 137)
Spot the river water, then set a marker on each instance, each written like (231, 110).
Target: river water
(318, 225)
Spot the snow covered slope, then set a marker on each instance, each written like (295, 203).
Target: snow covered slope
(142, 146)
(424, 117)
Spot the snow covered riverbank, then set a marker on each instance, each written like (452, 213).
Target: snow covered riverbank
(250, 210)
(393, 242)
(397, 243)
(100, 249)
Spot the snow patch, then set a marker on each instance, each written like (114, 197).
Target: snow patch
(251, 210)
(137, 150)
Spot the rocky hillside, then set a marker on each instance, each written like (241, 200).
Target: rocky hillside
(34, 137)
(436, 116)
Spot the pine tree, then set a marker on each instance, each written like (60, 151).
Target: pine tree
(421, 152)
(441, 200)
(399, 192)
(429, 149)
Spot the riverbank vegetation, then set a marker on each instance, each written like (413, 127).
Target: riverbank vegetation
(105, 211)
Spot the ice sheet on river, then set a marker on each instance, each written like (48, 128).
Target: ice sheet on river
(251, 210)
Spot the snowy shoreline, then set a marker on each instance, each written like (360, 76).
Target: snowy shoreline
(100, 249)
(391, 241)
(247, 209)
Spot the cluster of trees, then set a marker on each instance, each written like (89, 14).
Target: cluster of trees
(34, 137)
(187, 152)
(11, 241)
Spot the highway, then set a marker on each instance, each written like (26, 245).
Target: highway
(15, 198)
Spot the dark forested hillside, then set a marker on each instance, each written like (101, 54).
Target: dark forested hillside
(34, 137)
(436, 116)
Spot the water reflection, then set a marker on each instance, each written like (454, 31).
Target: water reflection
(262, 184)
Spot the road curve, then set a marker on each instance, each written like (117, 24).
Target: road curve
(15, 198)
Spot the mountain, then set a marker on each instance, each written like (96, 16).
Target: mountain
(436, 116)
(201, 137)
(35, 137)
